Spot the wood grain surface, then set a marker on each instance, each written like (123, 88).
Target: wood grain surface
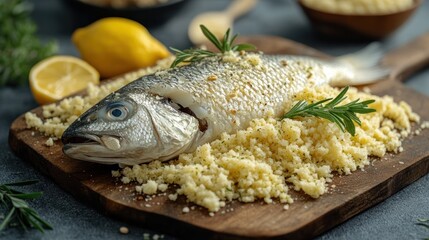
(92, 183)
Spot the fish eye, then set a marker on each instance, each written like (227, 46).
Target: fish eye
(117, 112)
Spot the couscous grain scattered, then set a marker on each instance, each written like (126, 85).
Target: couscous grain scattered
(150, 187)
(185, 210)
(124, 230)
(49, 142)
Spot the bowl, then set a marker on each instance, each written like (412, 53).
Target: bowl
(85, 13)
(348, 26)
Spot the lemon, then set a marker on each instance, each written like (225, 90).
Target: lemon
(117, 45)
(59, 76)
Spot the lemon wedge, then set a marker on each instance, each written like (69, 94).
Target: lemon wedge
(60, 76)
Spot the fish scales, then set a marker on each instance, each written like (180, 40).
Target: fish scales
(161, 115)
(243, 89)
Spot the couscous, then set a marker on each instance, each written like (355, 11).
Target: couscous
(359, 7)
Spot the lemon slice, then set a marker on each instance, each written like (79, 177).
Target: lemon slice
(60, 76)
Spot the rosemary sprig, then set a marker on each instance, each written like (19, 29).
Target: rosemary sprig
(424, 222)
(190, 55)
(224, 45)
(344, 116)
(18, 211)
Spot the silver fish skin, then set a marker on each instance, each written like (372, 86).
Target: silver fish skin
(161, 115)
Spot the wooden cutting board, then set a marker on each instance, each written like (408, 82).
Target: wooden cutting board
(93, 184)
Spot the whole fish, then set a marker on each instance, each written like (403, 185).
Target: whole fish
(161, 115)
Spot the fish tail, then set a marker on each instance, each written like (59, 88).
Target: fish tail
(365, 66)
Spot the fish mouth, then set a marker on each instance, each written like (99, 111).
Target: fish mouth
(83, 139)
(88, 141)
(109, 142)
(91, 148)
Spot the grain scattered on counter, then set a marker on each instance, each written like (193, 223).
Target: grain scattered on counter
(124, 230)
(262, 161)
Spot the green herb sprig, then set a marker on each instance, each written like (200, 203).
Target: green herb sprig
(17, 209)
(344, 116)
(424, 222)
(20, 48)
(224, 45)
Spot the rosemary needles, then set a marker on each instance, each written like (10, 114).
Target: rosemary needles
(17, 210)
(224, 45)
(344, 116)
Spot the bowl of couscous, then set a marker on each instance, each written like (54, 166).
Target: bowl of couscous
(358, 19)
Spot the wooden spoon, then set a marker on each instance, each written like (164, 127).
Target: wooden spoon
(218, 22)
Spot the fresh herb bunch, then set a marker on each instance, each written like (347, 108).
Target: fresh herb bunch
(344, 116)
(224, 45)
(20, 48)
(16, 209)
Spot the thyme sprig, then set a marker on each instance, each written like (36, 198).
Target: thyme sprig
(344, 116)
(18, 211)
(224, 45)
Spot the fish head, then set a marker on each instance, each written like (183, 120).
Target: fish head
(130, 127)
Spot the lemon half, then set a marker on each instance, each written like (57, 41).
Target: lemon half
(60, 76)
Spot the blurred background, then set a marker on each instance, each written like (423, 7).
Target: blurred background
(169, 22)
(331, 26)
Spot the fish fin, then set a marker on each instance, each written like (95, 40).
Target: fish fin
(365, 65)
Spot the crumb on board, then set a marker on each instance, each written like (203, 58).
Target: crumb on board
(185, 210)
(172, 197)
(116, 173)
(49, 142)
(150, 187)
